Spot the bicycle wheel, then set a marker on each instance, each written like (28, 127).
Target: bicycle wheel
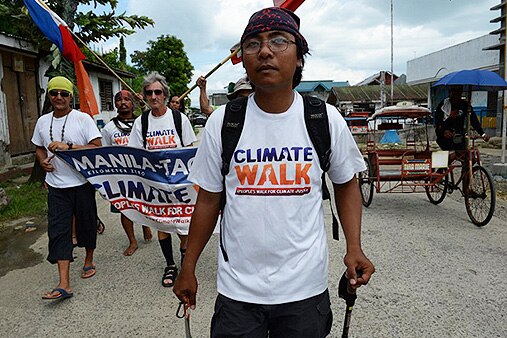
(480, 197)
(437, 192)
(366, 183)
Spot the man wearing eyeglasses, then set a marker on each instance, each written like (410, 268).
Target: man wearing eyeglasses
(69, 194)
(161, 134)
(274, 282)
(117, 132)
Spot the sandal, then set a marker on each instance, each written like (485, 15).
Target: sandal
(58, 293)
(170, 273)
(100, 226)
(89, 271)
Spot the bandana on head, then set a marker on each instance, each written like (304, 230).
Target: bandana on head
(124, 93)
(275, 19)
(62, 83)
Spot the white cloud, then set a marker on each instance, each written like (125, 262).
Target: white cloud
(349, 39)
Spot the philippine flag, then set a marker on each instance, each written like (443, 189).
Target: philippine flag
(56, 30)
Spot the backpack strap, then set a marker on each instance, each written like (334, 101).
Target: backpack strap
(144, 126)
(232, 126)
(317, 126)
(177, 125)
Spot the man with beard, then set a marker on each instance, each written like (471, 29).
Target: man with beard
(117, 132)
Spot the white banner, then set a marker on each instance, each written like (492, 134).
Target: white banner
(148, 187)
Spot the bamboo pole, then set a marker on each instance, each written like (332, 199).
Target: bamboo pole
(107, 66)
(210, 72)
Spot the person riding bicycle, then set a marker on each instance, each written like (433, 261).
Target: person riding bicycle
(450, 119)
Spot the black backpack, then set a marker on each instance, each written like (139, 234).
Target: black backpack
(317, 126)
(177, 125)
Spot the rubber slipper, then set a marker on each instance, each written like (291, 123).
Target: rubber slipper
(84, 273)
(100, 226)
(62, 294)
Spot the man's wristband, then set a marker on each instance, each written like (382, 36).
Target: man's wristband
(70, 144)
(484, 135)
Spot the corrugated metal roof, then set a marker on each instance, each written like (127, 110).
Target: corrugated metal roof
(372, 93)
(327, 85)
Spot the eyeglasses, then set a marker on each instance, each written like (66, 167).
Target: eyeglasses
(276, 45)
(150, 92)
(63, 93)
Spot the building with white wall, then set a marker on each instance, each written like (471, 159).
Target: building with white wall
(467, 55)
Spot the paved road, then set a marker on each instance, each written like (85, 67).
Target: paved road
(437, 276)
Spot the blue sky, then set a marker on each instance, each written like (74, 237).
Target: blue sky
(349, 39)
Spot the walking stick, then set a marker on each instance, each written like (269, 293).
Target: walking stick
(346, 292)
(186, 315)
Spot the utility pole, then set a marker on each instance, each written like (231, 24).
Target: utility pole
(504, 116)
(501, 46)
(392, 54)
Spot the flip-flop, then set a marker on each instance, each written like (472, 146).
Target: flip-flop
(86, 269)
(100, 226)
(63, 294)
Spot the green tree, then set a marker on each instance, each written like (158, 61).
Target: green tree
(14, 19)
(123, 51)
(167, 56)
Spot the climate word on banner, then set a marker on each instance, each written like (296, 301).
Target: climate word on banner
(148, 187)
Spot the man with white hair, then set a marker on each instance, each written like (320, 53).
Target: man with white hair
(161, 120)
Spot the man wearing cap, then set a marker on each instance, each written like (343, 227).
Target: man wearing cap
(240, 89)
(275, 281)
(161, 122)
(117, 132)
(69, 194)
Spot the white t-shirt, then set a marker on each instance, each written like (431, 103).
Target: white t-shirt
(80, 128)
(273, 229)
(112, 136)
(162, 132)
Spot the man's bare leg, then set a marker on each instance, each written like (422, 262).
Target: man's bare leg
(64, 279)
(147, 234)
(128, 226)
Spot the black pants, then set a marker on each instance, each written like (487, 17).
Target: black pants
(308, 318)
(63, 204)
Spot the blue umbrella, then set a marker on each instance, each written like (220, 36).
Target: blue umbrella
(473, 80)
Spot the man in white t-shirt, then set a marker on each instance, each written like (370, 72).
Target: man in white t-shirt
(276, 277)
(117, 132)
(69, 194)
(162, 134)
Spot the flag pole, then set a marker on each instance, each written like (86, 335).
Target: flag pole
(210, 72)
(105, 65)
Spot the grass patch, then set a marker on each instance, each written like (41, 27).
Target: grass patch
(26, 200)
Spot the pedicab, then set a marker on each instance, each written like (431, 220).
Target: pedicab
(411, 165)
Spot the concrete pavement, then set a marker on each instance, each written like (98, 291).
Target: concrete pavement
(437, 275)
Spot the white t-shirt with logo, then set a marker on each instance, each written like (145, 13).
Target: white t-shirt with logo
(112, 136)
(162, 132)
(80, 128)
(273, 230)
